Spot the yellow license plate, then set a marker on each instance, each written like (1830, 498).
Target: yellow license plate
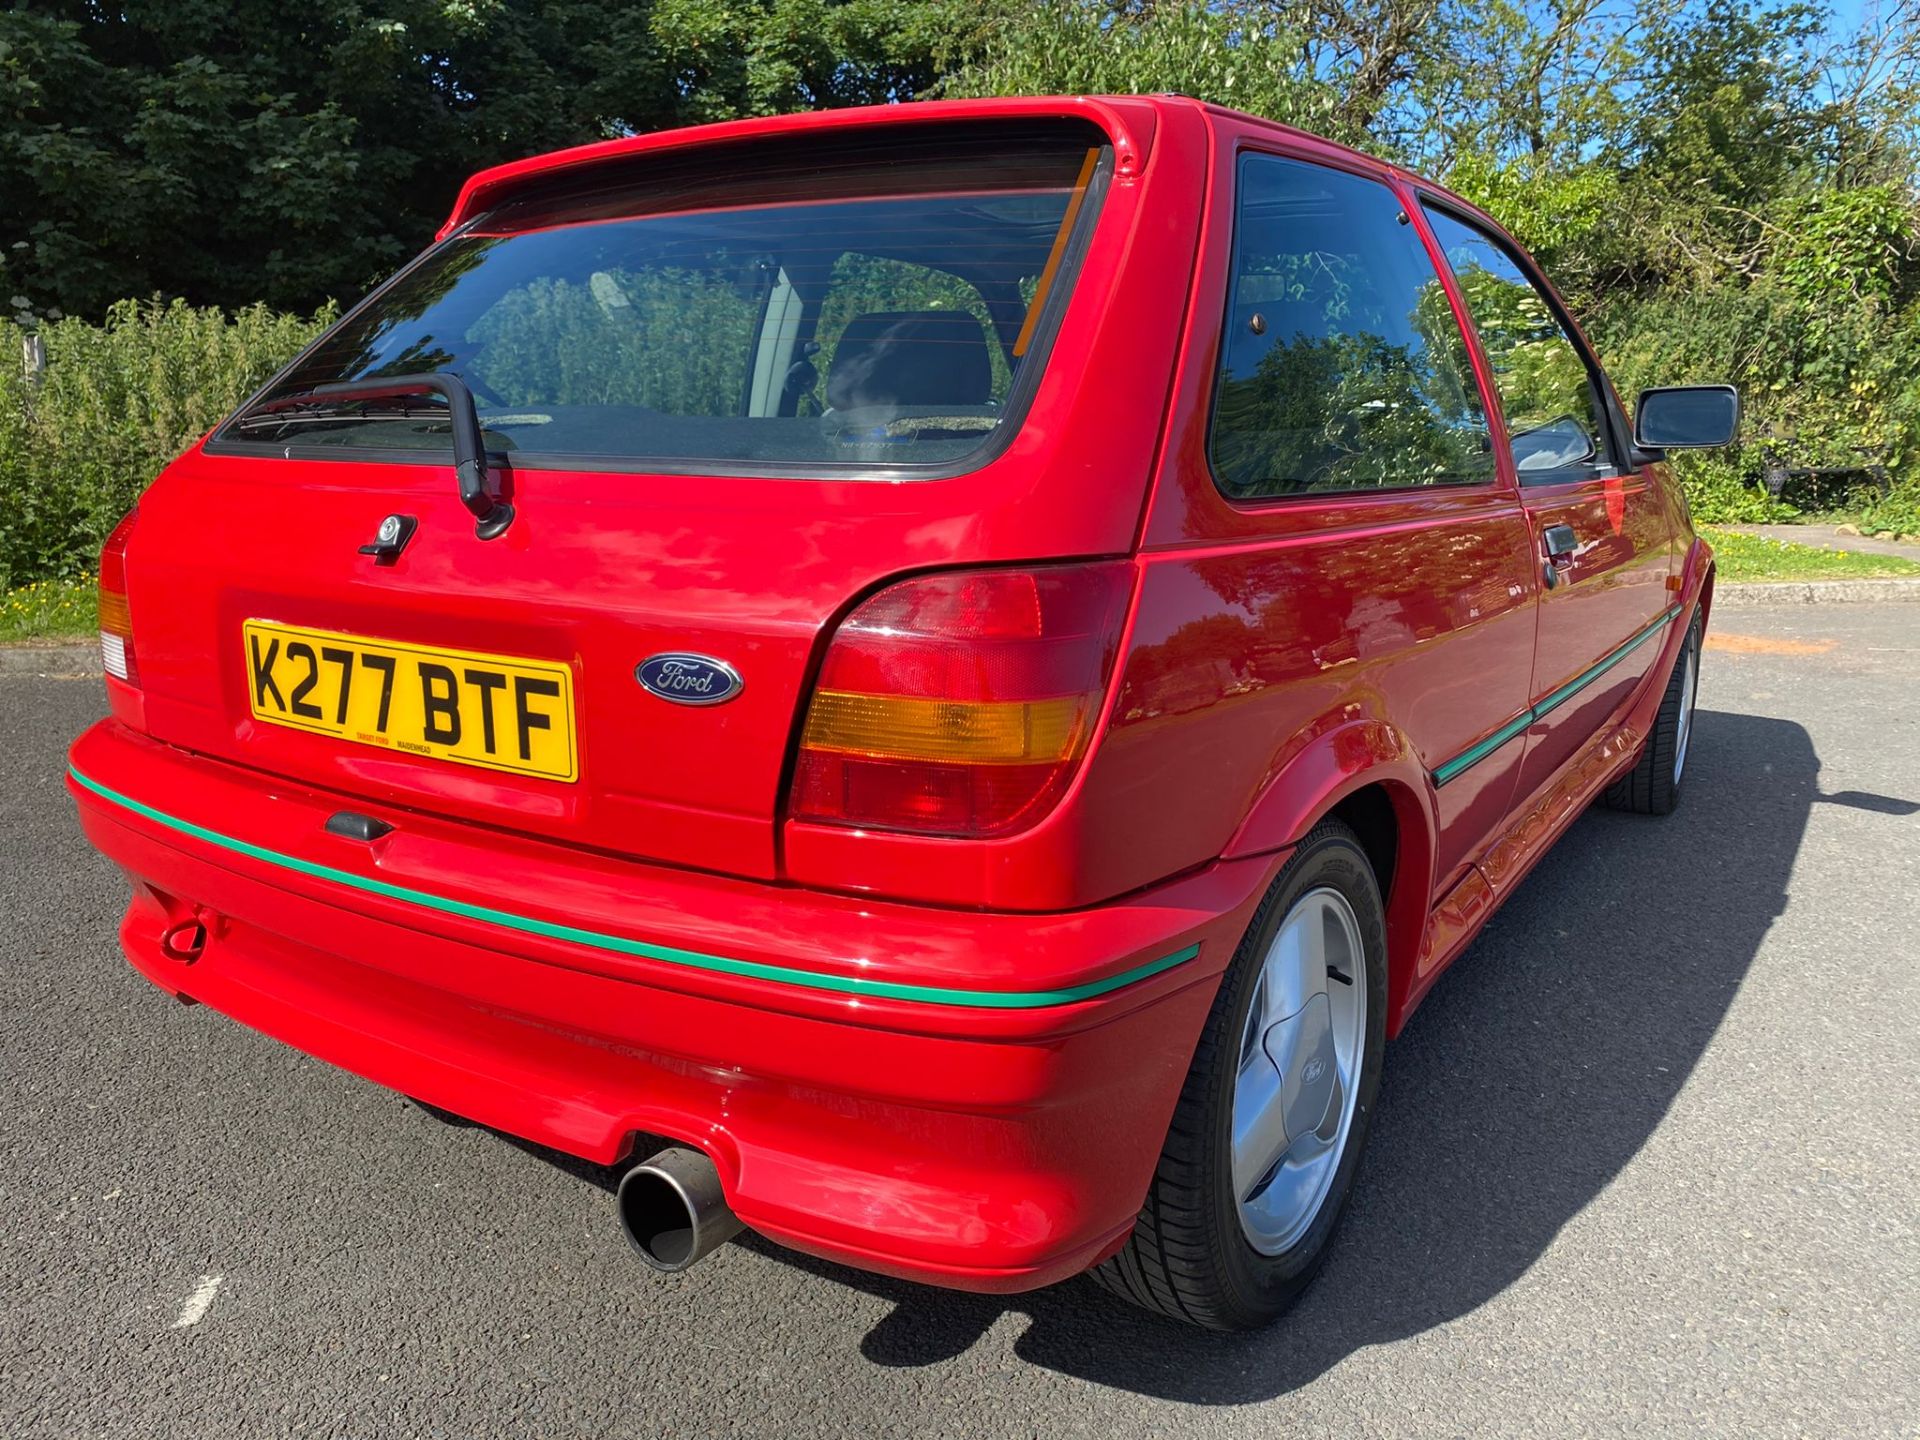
(458, 705)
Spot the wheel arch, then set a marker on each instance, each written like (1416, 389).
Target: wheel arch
(1365, 774)
(1696, 578)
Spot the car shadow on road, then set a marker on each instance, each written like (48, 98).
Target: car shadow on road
(1533, 1074)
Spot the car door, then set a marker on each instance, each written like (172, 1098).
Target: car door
(1600, 528)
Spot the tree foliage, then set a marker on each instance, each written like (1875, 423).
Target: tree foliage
(235, 151)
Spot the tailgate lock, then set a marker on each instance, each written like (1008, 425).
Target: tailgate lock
(390, 539)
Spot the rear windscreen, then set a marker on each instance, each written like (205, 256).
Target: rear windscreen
(873, 303)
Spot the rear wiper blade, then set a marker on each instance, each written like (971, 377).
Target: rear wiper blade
(300, 408)
(491, 514)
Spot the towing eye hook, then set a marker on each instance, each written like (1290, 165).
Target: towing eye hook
(185, 940)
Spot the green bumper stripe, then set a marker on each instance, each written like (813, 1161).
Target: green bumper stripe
(619, 944)
(1474, 754)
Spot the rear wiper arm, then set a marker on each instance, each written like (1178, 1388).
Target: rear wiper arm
(491, 514)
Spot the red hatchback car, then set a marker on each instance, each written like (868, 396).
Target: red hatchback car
(961, 666)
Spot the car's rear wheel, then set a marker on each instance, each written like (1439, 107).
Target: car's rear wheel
(1652, 786)
(1275, 1111)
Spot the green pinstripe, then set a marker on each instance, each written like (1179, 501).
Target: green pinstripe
(1474, 754)
(1470, 757)
(620, 944)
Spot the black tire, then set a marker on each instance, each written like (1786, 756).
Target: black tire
(1652, 786)
(1188, 1257)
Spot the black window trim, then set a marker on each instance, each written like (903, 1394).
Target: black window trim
(1248, 146)
(1013, 415)
(1624, 454)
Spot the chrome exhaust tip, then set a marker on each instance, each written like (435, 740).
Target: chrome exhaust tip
(673, 1209)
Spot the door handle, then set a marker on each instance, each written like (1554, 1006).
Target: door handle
(1560, 542)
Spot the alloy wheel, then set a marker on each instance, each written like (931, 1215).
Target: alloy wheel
(1297, 1079)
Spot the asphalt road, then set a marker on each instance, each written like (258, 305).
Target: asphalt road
(1648, 1162)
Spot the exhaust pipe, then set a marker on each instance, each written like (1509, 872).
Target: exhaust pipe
(673, 1209)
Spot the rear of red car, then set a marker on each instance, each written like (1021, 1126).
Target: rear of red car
(703, 755)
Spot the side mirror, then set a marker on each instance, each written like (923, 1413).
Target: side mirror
(1686, 417)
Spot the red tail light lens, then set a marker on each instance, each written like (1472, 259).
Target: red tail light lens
(959, 704)
(116, 620)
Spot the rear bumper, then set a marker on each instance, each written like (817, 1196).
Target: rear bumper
(969, 1099)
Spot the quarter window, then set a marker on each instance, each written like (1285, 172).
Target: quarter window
(1547, 390)
(1342, 367)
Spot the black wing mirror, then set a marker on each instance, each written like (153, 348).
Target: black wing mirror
(1686, 417)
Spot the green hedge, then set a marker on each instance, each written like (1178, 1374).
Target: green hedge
(113, 405)
(1823, 383)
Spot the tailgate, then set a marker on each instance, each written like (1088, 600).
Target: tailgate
(725, 402)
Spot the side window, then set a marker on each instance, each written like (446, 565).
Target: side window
(1546, 389)
(1342, 367)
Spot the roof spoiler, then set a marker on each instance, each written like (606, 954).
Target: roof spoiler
(1129, 122)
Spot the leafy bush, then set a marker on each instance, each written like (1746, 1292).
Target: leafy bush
(1839, 246)
(1239, 55)
(115, 404)
(1719, 493)
(1823, 383)
(1898, 512)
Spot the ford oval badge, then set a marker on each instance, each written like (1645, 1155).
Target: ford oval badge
(688, 679)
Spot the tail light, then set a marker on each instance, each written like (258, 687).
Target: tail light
(116, 621)
(960, 704)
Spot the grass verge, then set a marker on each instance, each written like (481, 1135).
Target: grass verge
(1754, 557)
(48, 611)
